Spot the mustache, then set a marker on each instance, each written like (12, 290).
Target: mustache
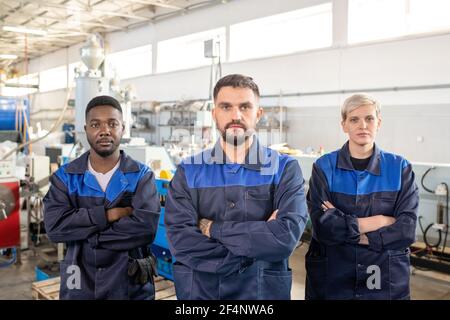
(104, 140)
(234, 123)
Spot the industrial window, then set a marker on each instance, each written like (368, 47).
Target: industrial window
(53, 79)
(130, 63)
(383, 19)
(299, 30)
(12, 87)
(189, 51)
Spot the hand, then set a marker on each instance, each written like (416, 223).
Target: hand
(205, 226)
(363, 239)
(115, 214)
(273, 216)
(327, 205)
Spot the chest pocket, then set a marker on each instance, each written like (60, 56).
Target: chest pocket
(86, 202)
(384, 204)
(259, 202)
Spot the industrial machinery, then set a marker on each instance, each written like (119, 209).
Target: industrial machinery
(160, 246)
(14, 119)
(9, 209)
(34, 187)
(433, 253)
(9, 218)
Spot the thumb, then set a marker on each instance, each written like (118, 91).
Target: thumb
(273, 216)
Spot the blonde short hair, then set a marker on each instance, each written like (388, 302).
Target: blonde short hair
(357, 100)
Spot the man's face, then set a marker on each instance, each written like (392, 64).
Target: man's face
(236, 112)
(104, 129)
(362, 125)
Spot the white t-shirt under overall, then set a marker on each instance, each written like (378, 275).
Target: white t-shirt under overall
(103, 178)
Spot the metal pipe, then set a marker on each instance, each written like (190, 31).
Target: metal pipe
(18, 85)
(345, 91)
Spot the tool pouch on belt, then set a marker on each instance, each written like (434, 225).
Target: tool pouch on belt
(142, 270)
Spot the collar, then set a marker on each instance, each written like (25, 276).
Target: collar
(345, 163)
(110, 172)
(255, 159)
(80, 164)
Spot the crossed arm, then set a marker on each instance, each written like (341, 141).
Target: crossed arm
(205, 225)
(332, 226)
(114, 229)
(221, 246)
(367, 224)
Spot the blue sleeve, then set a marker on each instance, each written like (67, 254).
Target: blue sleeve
(333, 226)
(402, 233)
(270, 240)
(138, 229)
(187, 243)
(65, 223)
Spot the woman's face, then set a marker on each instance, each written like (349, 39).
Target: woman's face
(362, 125)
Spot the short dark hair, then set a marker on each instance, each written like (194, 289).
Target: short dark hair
(103, 101)
(236, 81)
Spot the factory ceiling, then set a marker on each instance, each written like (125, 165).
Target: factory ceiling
(57, 24)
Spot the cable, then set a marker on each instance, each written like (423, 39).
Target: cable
(426, 240)
(424, 233)
(423, 177)
(446, 225)
(420, 224)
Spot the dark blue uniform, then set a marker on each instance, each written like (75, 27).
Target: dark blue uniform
(75, 208)
(337, 266)
(246, 256)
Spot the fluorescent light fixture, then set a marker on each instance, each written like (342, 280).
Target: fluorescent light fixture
(8, 56)
(25, 30)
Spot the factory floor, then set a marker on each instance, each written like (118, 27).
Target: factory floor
(15, 281)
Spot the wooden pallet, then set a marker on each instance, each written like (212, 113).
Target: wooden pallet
(46, 289)
(49, 289)
(165, 289)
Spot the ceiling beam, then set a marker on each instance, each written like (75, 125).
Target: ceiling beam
(155, 3)
(68, 21)
(12, 11)
(85, 9)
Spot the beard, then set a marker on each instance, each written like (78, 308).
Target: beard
(233, 139)
(102, 151)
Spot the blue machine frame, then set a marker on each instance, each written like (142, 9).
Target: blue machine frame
(9, 119)
(160, 246)
(8, 108)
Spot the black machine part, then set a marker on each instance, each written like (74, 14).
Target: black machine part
(440, 218)
(7, 202)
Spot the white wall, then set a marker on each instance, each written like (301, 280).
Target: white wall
(314, 119)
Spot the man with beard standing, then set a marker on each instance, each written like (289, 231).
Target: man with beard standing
(104, 206)
(235, 213)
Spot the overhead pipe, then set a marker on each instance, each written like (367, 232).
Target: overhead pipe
(343, 91)
(346, 91)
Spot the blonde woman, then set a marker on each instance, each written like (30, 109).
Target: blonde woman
(363, 205)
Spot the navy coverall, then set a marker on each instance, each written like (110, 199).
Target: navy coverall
(337, 266)
(246, 256)
(75, 213)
